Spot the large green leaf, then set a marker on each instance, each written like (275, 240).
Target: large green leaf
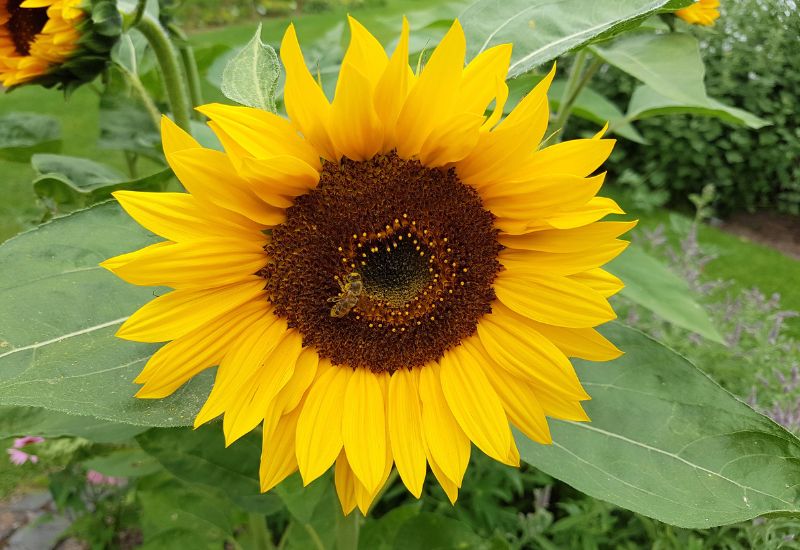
(179, 515)
(647, 102)
(23, 134)
(68, 183)
(200, 457)
(541, 30)
(671, 66)
(589, 105)
(650, 283)
(592, 106)
(58, 314)
(668, 442)
(19, 421)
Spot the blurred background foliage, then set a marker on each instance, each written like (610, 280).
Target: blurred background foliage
(751, 61)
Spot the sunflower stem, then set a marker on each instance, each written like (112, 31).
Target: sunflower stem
(578, 78)
(259, 535)
(347, 531)
(189, 66)
(171, 71)
(144, 96)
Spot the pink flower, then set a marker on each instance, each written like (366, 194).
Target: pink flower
(21, 442)
(96, 478)
(20, 457)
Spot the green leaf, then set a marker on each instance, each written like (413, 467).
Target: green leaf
(200, 457)
(666, 441)
(72, 182)
(58, 314)
(379, 534)
(646, 102)
(651, 284)
(124, 463)
(19, 421)
(180, 516)
(592, 106)
(23, 134)
(435, 532)
(542, 30)
(251, 76)
(671, 66)
(125, 125)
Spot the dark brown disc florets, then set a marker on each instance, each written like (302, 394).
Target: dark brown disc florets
(24, 24)
(385, 264)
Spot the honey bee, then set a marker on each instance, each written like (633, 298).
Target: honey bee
(347, 299)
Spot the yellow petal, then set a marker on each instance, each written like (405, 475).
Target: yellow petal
(595, 209)
(578, 239)
(365, 54)
(180, 217)
(174, 138)
(449, 487)
(201, 263)
(431, 101)
(579, 157)
(405, 429)
(446, 441)
(112, 264)
(364, 427)
(278, 460)
(570, 263)
(585, 343)
(474, 403)
(499, 155)
(553, 300)
(304, 372)
(259, 389)
(277, 180)
(210, 176)
(392, 89)
(242, 361)
(179, 312)
(261, 133)
(365, 498)
(519, 400)
(345, 482)
(556, 406)
(600, 280)
(513, 343)
(543, 193)
(306, 104)
(319, 429)
(452, 140)
(177, 362)
(478, 84)
(355, 128)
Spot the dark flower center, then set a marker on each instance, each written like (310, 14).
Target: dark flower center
(385, 264)
(24, 24)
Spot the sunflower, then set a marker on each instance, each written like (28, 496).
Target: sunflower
(55, 42)
(702, 12)
(382, 279)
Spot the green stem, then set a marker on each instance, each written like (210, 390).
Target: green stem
(189, 66)
(171, 72)
(258, 532)
(141, 91)
(131, 159)
(575, 83)
(347, 531)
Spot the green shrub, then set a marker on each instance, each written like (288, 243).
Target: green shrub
(751, 63)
